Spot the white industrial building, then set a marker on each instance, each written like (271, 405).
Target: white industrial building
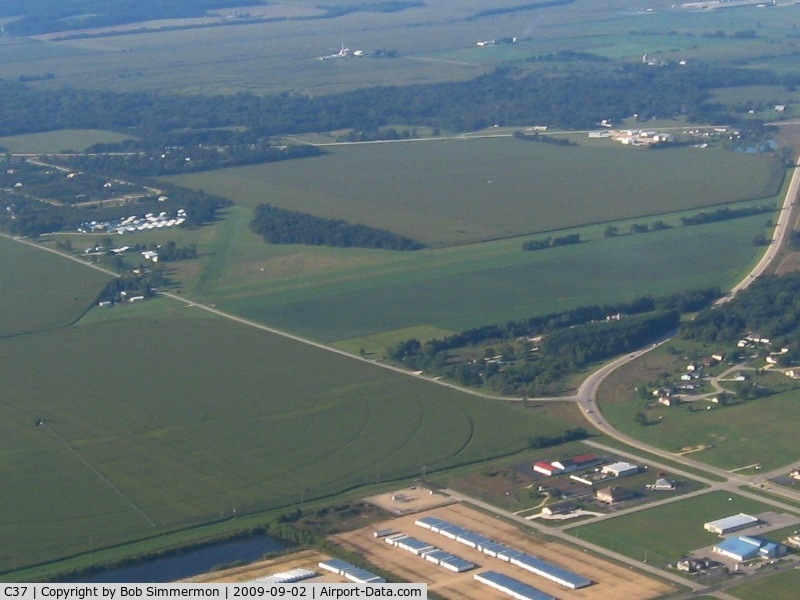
(620, 469)
(731, 524)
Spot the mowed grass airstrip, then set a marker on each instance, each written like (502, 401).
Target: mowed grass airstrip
(459, 191)
(453, 194)
(163, 417)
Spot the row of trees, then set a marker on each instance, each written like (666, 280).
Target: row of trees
(566, 341)
(723, 214)
(613, 230)
(552, 242)
(562, 352)
(46, 16)
(281, 226)
(569, 435)
(146, 159)
(684, 302)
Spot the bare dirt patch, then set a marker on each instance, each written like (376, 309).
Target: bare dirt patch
(409, 501)
(612, 580)
(790, 264)
(308, 559)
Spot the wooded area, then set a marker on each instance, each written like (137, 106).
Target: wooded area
(527, 358)
(769, 307)
(578, 99)
(280, 226)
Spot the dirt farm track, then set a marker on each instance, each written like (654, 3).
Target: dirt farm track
(612, 580)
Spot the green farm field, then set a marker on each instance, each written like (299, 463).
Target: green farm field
(436, 42)
(40, 291)
(465, 287)
(162, 421)
(69, 140)
(664, 533)
(451, 192)
(781, 586)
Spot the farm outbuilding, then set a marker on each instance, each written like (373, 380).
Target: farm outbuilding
(620, 469)
(545, 468)
(577, 463)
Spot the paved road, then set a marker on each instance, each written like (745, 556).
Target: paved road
(585, 397)
(561, 535)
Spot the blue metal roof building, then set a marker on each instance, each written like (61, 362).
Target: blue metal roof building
(505, 553)
(512, 587)
(552, 572)
(744, 548)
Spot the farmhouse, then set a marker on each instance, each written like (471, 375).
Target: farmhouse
(744, 548)
(695, 565)
(731, 524)
(614, 494)
(563, 508)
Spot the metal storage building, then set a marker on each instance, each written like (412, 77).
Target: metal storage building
(432, 523)
(744, 547)
(287, 576)
(350, 571)
(505, 553)
(549, 571)
(730, 524)
(363, 576)
(512, 587)
(336, 565)
(413, 545)
(449, 561)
